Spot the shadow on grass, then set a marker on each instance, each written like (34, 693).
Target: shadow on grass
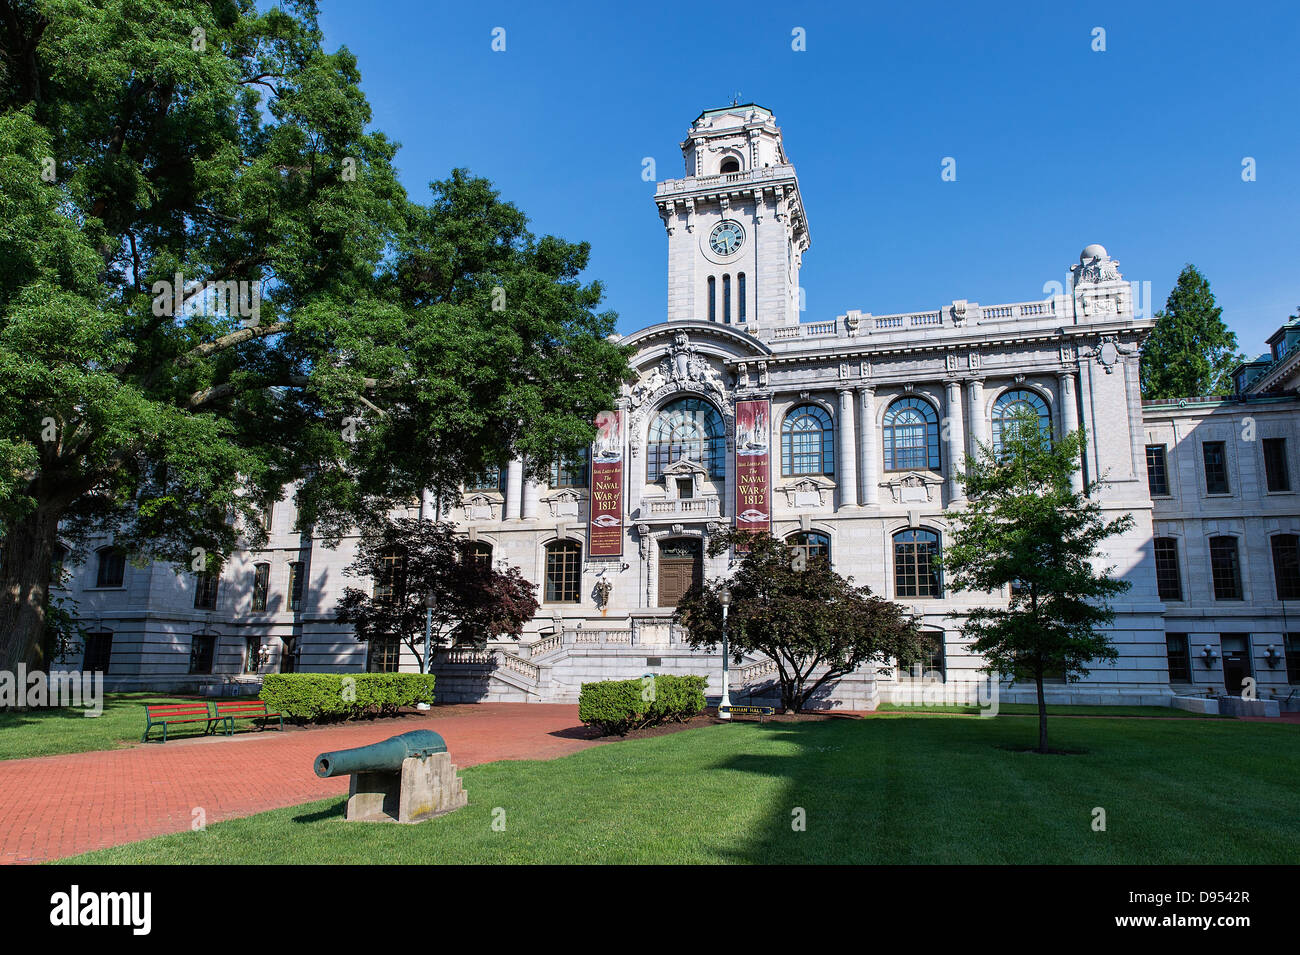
(333, 811)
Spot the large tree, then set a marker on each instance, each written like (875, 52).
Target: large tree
(424, 576)
(397, 346)
(1027, 532)
(799, 613)
(1190, 351)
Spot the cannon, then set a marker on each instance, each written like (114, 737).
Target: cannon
(406, 778)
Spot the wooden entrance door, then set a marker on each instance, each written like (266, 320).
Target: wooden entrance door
(681, 565)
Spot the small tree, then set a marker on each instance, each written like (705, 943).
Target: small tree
(1025, 528)
(411, 561)
(799, 613)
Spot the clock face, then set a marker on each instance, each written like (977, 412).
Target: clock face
(726, 237)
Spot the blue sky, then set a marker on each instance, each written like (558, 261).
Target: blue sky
(1139, 147)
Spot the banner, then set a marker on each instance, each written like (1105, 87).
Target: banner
(753, 470)
(605, 529)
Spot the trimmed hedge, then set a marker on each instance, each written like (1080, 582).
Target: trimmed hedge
(620, 706)
(324, 697)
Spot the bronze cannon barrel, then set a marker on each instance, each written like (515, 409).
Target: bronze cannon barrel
(385, 756)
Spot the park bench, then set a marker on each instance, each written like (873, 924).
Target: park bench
(760, 711)
(230, 710)
(164, 714)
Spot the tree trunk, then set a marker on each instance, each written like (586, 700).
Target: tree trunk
(1042, 714)
(26, 553)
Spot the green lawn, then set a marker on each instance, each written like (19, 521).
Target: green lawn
(893, 790)
(48, 732)
(1031, 709)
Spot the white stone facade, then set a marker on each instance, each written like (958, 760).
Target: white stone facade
(738, 211)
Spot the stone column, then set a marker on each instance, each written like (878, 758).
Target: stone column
(528, 506)
(1070, 420)
(978, 426)
(869, 446)
(514, 488)
(847, 471)
(956, 449)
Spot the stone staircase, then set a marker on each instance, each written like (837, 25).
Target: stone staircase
(553, 669)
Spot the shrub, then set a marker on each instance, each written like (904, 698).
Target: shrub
(619, 706)
(329, 697)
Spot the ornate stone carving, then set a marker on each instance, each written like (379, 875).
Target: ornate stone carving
(682, 369)
(481, 507)
(866, 369)
(563, 503)
(1108, 351)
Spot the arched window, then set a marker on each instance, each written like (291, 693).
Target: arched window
(1009, 405)
(479, 552)
(740, 298)
(726, 300)
(807, 442)
(295, 585)
(713, 299)
(111, 568)
(911, 435)
(687, 428)
(915, 573)
(563, 572)
(810, 545)
(730, 164)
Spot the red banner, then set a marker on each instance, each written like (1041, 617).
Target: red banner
(753, 466)
(605, 527)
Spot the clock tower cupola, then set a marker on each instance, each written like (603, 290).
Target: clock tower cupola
(735, 223)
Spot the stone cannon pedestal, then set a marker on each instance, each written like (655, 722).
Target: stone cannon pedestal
(426, 786)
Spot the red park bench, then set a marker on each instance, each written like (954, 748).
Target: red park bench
(230, 710)
(226, 712)
(164, 714)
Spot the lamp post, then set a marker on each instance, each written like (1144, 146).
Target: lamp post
(724, 707)
(428, 643)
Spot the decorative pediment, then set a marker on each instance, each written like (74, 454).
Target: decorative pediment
(914, 487)
(563, 503)
(481, 507)
(810, 491)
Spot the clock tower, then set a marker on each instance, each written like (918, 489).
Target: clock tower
(735, 223)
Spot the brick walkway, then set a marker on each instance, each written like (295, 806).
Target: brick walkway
(55, 806)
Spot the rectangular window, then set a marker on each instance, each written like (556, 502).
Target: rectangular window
(99, 649)
(1225, 567)
(112, 568)
(1169, 582)
(1180, 662)
(740, 298)
(1276, 473)
(1286, 565)
(1157, 470)
(489, 480)
(252, 654)
(927, 665)
(1293, 657)
(205, 591)
(384, 656)
(915, 574)
(569, 471)
(563, 572)
(1215, 454)
(295, 586)
(201, 651)
(261, 585)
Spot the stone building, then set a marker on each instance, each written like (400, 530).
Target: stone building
(844, 435)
